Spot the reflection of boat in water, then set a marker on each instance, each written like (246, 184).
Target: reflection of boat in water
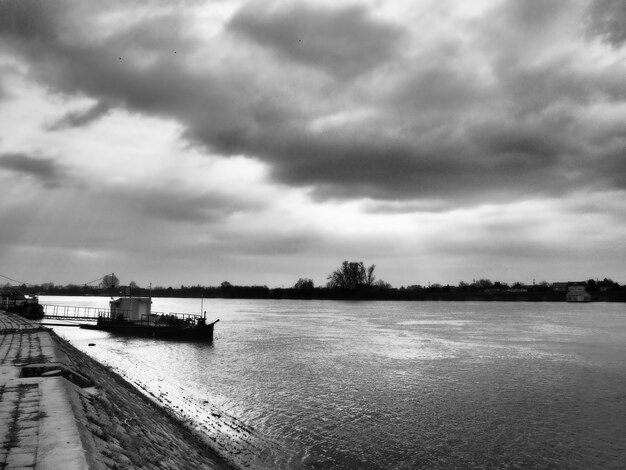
(14, 301)
(132, 316)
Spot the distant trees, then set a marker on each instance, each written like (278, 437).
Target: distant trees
(592, 285)
(483, 284)
(352, 275)
(604, 285)
(230, 291)
(304, 284)
(499, 285)
(110, 281)
(608, 284)
(351, 281)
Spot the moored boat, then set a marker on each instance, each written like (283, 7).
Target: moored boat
(132, 316)
(14, 301)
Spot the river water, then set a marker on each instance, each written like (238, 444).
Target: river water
(373, 385)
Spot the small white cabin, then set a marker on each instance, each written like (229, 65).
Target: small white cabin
(131, 308)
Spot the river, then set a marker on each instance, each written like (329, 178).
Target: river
(376, 385)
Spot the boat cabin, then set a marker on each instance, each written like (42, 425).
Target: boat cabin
(131, 308)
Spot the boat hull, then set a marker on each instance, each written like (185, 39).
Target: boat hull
(14, 301)
(202, 333)
(30, 311)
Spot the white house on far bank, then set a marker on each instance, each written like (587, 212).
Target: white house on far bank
(576, 292)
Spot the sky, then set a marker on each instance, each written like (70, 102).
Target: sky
(196, 142)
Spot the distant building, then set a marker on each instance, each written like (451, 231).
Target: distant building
(560, 286)
(517, 288)
(577, 292)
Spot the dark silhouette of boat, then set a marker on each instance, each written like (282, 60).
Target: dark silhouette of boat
(132, 316)
(14, 301)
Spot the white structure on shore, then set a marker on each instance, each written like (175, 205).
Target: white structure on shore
(576, 292)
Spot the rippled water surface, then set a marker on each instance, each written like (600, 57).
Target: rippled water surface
(321, 384)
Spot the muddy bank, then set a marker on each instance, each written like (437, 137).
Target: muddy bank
(121, 428)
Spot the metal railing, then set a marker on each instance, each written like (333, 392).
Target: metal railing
(68, 312)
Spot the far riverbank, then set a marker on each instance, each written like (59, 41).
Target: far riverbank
(441, 293)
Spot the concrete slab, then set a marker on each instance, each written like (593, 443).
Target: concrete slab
(59, 440)
(21, 459)
(37, 424)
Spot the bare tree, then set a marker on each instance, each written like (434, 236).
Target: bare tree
(304, 284)
(352, 275)
(110, 281)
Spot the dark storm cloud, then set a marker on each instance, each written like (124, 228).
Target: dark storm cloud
(531, 15)
(341, 40)
(485, 162)
(142, 68)
(45, 170)
(477, 116)
(268, 243)
(404, 207)
(609, 169)
(80, 118)
(181, 206)
(607, 19)
(27, 19)
(3, 89)
(173, 200)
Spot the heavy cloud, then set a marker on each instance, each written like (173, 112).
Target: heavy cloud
(607, 19)
(80, 118)
(46, 171)
(354, 105)
(342, 40)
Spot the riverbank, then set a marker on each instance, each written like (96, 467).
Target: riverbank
(62, 409)
(412, 293)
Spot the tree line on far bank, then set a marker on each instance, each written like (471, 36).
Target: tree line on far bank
(350, 281)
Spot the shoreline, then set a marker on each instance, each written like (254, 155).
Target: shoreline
(114, 425)
(122, 420)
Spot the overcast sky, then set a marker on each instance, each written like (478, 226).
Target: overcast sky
(260, 142)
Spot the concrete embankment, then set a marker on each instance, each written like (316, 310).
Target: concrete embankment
(60, 409)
